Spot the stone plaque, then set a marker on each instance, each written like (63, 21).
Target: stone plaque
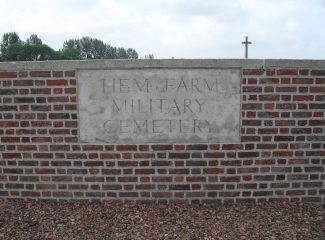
(159, 105)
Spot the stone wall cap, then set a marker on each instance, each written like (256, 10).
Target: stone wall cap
(161, 63)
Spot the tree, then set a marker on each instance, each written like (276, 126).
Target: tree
(28, 52)
(86, 48)
(68, 54)
(98, 49)
(72, 43)
(13, 49)
(93, 48)
(132, 54)
(121, 53)
(8, 39)
(150, 56)
(111, 52)
(34, 40)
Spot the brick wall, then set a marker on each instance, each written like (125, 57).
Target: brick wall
(281, 155)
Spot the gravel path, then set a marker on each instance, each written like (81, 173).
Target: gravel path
(27, 219)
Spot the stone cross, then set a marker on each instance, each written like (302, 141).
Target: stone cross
(246, 46)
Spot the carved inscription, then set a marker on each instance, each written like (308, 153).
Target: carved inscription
(159, 105)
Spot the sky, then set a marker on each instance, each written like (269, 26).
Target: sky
(286, 29)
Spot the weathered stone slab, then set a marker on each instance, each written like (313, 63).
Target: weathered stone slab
(159, 105)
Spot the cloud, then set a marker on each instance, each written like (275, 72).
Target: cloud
(176, 28)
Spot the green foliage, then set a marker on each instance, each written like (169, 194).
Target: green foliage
(8, 39)
(132, 54)
(34, 40)
(150, 56)
(28, 52)
(13, 49)
(68, 54)
(92, 48)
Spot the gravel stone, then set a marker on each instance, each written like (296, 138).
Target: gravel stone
(43, 219)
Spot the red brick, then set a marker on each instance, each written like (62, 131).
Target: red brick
(317, 73)
(25, 115)
(179, 147)
(57, 73)
(8, 91)
(110, 156)
(248, 154)
(144, 155)
(161, 163)
(76, 156)
(196, 163)
(179, 171)
(40, 74)
(286, 106)
(162, 179)
(214, 146)
(57, 82)
(287, 72)
(320, 80)
(252, 89)
(303, 98)
(302, 81)
(213, 171)
(62, 99)
(286, 89)
(282, 154)
(143, 148)
(315, 153)
(42, 139)
(30, 194)
(295, 192)
(230, 179)
(26, 148)
(144, 171)
(126, 147)
(174, 155)
(45, 186)
(264, 178)
(127, 163)
(265, 162)
(70, 73)
(251, 106)
(43, 155)
(8, 74)
(253, 72)
(92, 148)
(197, 147)
(269, 80)
(93, 163)
(70, 91)
(127, 179)
(317, 89)
(196, 179)
(57, 91)
(269, 98)
(24, 100)
(252, 81)
(10, 139)
(214, 155)
(41, 108)
(283, 138)
(45, 171)
(7, 124)
(11, 155)
(232, 147)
